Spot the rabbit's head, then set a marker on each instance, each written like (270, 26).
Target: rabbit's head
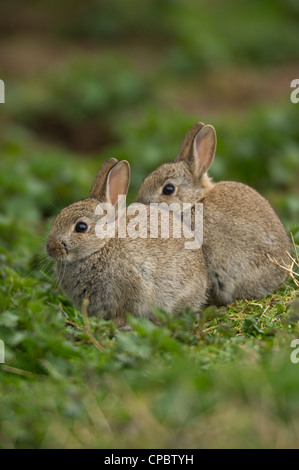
(73, 235)
(185, 179)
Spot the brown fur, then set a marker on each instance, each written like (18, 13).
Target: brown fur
(123, 275)
(241, 230)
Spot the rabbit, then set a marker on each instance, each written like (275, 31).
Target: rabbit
(120, 275)
(242, 235)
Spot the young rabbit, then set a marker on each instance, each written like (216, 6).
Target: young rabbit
(241, 231)
(121, 274)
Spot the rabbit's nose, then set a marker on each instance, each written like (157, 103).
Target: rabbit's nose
(51, 248)
(56, 249)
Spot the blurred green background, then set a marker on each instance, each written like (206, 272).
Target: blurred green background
(86, 81)
(89, 80)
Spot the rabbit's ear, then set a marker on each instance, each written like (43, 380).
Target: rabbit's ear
(203, 151)
(118, 181)
(186, 146)
(98, 188)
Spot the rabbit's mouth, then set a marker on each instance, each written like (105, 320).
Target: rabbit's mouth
(57, 250)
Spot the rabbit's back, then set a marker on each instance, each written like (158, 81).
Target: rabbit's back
(241, 233)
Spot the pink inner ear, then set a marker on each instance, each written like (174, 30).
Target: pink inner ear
(118, 182)
(204, 147)
(188, 140)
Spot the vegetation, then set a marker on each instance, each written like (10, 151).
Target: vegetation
(127, 80)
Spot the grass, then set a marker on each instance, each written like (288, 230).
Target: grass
(75, 382)
(167, 386)
(221, 378)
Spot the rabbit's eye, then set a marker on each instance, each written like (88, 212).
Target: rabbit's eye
(168, 189)
(81, 227)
